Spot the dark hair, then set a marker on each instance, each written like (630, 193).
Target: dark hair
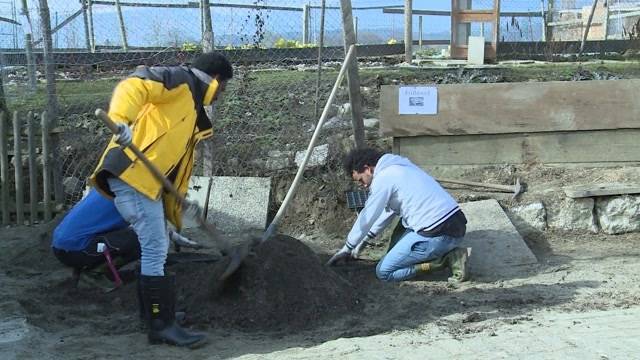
(214, 64)
(356, 159)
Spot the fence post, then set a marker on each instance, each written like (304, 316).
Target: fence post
(4, 169)
(123, 30)
(33, 170)
(17, 162)
(85, 19)
(305, 24)
(207, 34)
(586, 30)
(353, 79)
(46, 171)
(408, 31)
(320, 46)
(92, 38)
(28, 46)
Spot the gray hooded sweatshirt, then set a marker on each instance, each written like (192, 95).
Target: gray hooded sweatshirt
(401, 188)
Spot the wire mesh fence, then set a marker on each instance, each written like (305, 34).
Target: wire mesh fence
(269, 110)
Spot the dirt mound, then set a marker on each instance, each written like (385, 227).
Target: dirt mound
(283, 287)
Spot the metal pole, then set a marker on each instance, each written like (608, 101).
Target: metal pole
(544, 21)
(92, 38)
(305, 24)
(420, 30)
(408, 29)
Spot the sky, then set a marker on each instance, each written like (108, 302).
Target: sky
(165, 27)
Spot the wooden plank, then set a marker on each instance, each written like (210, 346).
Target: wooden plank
(17, 161)
(4, 169)
(46, 170)
(602, 146)
(400, 10)
(592, 190)
(518, 108)
(33, 169)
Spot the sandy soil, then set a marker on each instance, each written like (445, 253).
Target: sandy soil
(284, 298)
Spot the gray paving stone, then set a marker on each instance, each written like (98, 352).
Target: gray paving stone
(237, 204)
(495, 242)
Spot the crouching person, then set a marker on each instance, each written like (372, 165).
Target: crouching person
(432, 224)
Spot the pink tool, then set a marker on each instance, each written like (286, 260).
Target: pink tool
(104, 249)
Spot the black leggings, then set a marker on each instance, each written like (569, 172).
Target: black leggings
(123, 244)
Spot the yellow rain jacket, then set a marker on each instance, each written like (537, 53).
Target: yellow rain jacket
(164, 108)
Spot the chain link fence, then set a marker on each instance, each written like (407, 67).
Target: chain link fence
(267, 115)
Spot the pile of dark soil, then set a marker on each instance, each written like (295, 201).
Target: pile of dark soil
(283, 287)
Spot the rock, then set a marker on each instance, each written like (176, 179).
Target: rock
(278, 160)
(371, 123)
(572, 214)
(332, 123)
(318, 156)
(619, 214)
(344, 111)
(530, 219)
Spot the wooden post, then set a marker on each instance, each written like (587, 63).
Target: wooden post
(33, 169)
(420, 32)
(46, 170)
(85, 19)
(605, 22)
(123, 30)
(353, 79)
(92, 38)
(408, 31)
(207, 35)
(17, 157)
(52, 100)
(355, 28)
(550, 8)
(305, 24)
(544, 21)
(4, 168)
(586, 30)
(320, 46)
(28, 46)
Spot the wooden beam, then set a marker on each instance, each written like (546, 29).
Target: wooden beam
(408, 32)
(586, 30)
(195, 5)
(529, 107)
(592, 190)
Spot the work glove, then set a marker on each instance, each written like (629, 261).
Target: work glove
(342, 254)
(192, 210)
(355, 253)
(182, 240)
(124, 135)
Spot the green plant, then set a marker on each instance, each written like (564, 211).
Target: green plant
(190, 46)
(285, 44)
(392, 41)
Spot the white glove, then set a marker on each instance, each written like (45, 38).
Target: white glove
(343, 254)
(192, 210)
(124, 136)
(355, 253)
(182, 240)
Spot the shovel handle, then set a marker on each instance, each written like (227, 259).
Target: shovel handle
(102, 115)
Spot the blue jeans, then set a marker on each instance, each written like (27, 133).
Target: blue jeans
(410, 250)
(147, 218)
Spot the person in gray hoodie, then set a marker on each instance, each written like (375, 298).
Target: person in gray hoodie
(432, 224)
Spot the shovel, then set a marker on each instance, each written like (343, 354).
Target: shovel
(233, 252)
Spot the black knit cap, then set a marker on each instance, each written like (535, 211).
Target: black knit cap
(214, 64)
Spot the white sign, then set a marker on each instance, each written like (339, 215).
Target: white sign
(421, 100)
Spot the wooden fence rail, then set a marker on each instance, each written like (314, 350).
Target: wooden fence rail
(39, 174)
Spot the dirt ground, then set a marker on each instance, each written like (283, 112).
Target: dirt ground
(284, 297)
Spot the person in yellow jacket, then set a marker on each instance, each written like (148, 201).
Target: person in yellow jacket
(161, 111)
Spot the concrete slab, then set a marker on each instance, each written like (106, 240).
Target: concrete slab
(199, 187)
(497, 245)
(239, 203)
(475, 54)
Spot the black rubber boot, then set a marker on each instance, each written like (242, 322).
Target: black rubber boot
(158, 295)
(180, 316)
